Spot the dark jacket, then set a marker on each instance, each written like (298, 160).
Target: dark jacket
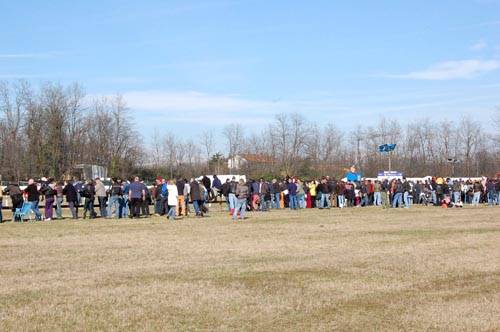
(232, 187)
(88, 191)
(322, 188)
(116, 189)
(13, 190)
(292, 188)
(33, 194)
(255, 187)
(180, 187)
(264, 188)
(216, 183)
(70, 192)
(195, 194)
(242, 191)
(48, 192)
(206, 182)
(225, 189)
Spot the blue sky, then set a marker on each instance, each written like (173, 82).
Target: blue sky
(203, 64)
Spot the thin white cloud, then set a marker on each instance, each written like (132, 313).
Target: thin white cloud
(18, 76)
(188, 101)
(451, 70)
(25, 55)
(199, 107)
(480, 45)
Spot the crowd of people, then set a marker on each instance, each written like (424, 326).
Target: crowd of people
(328, 193)
(172, 198)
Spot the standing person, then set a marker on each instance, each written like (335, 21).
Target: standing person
(72, 198)
(363, 193)
(49, 196)
(478, 189)
(33, 198)
(146, 201)
(204, 198)
(397, 201)
(78, 187)
(332, 186)
(491, 192)
(216, 187)
(263, 194)
(340, 188)
(255, 191)
(181, 207)
(88, 193)
(292, 194)
(301, 195)
(406, 193)
(59, 198)
(321, 191)
(418, 189)
(225, 193)
(377, 196)
(156, 196)
(16, 196)
(457, 191)
(102, 197)
(232, 195)
(312, 191)
(205, 181)
(115, 197)
(196, 197)
(163, 197)
(136, 194)
(173, 196)
(187, 191)
(276, 190)
(125, 208)
(241, 193)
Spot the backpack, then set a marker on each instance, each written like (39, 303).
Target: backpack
(86, 192)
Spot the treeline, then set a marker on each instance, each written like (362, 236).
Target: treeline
(292, 145)
(47, 131)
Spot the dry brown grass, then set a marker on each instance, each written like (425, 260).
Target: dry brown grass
(356, 269)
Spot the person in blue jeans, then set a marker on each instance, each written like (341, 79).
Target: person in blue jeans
(33, 197)
(276, 193)
(115, 198)
(292, 195)
(397, 201)
(242, 193)
(233, 201)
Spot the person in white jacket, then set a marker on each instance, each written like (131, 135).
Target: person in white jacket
(172, 199)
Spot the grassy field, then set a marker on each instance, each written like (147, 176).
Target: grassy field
(354, 269)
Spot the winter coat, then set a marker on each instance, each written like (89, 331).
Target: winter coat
(100, 189)
(173, 194)
(242, 191)
(70, 192)
(196, 194)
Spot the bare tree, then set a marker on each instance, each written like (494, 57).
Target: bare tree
(208, 141)
(234, 136)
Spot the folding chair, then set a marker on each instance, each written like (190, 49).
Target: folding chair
(24, 211)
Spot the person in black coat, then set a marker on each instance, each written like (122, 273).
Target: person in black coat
(196, 197)
(16, 195)
(72, 198)
(88, 192)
